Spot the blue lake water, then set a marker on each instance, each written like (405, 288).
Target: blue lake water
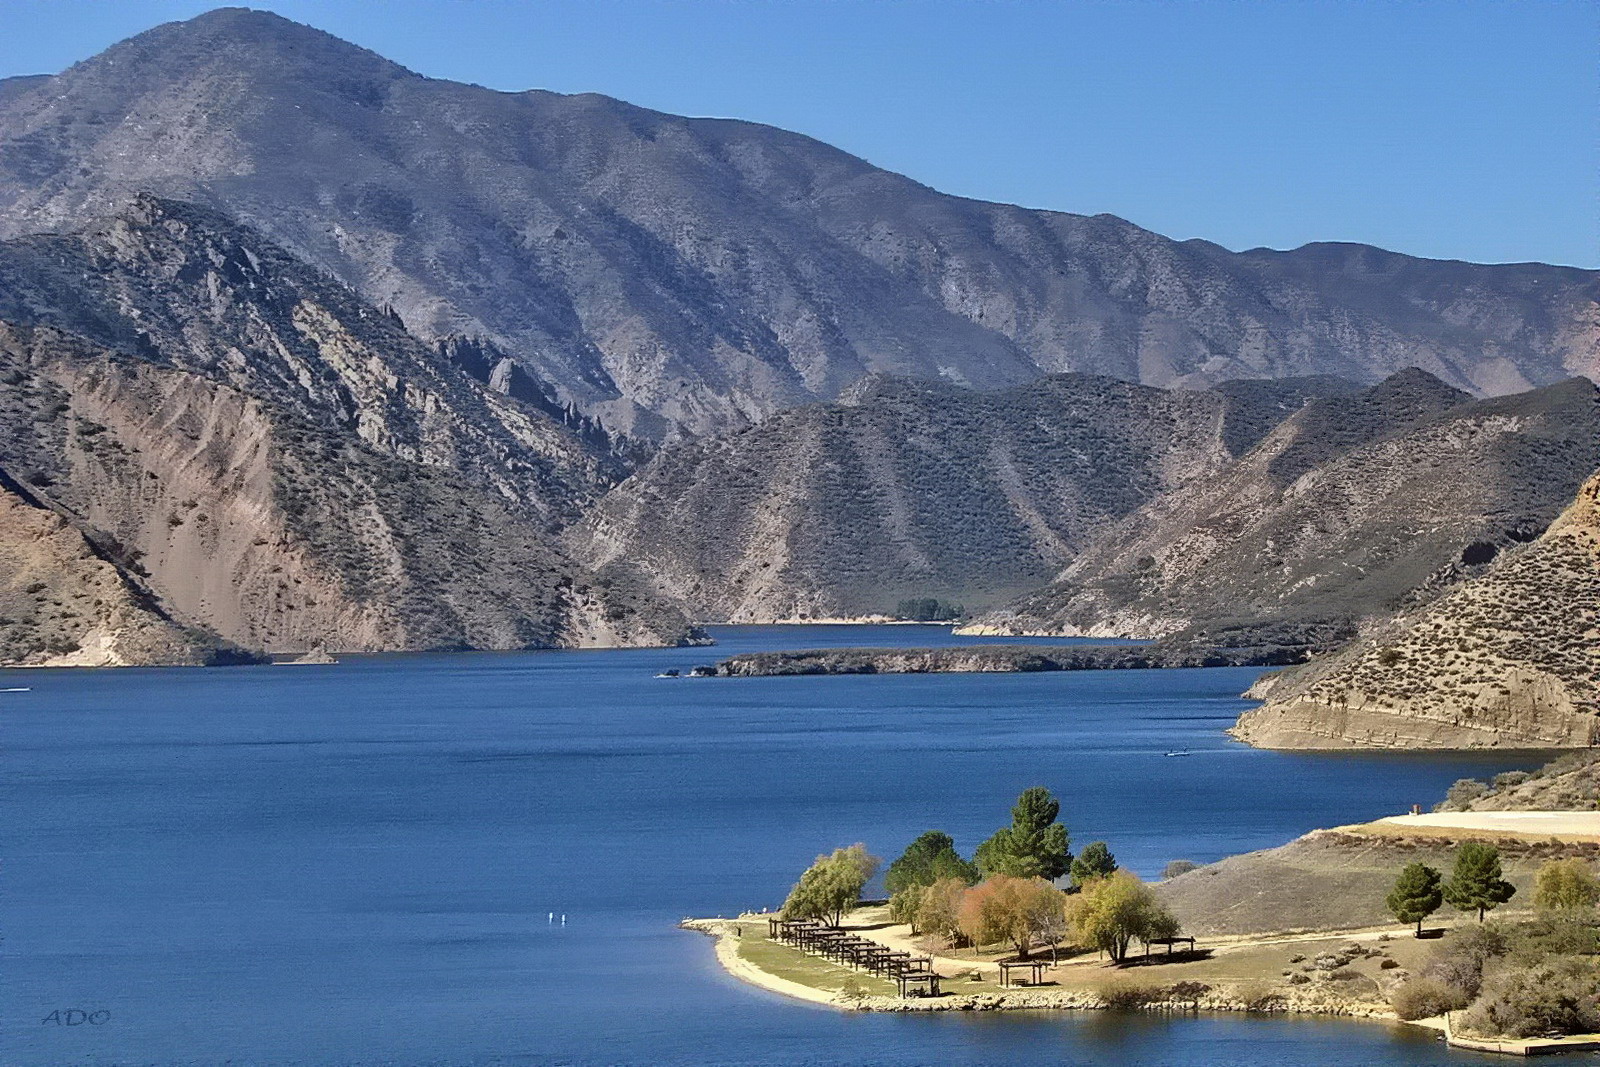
(356, 864)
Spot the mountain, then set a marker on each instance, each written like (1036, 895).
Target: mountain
(1355, 507)
(269, 458)
(1510, 658)
(672, 275)
(62, 603)
(917, 489)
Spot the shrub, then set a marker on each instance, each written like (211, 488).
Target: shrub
(1550, 999)
(1462, 794)
(1129, 995)
(1565, 885)
(1423, 998)
(1177, 867)
(1458, 963)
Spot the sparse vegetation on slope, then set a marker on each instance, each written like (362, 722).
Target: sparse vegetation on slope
(1505, 659)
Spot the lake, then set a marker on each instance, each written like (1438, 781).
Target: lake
(358, 864)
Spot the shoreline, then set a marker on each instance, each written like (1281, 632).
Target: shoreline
(727, 935)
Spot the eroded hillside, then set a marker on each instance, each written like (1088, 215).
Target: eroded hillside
(1355, 507)
(916, 489)
(283, 462)
(1507, 659)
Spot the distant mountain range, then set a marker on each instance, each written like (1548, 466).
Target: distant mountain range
(671, 274)
(299, 350)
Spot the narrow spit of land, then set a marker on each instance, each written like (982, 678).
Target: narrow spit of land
(997, 659)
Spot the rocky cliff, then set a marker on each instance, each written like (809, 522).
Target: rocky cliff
(670, 273)
(918, 489)
(1355, 507)
(1507, 659)
(274, 459)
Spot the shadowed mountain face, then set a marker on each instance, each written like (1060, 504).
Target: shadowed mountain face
(670, 273)
(1354, 507)
(209, 433)
(916, 489)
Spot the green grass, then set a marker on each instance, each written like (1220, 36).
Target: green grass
(786, 961)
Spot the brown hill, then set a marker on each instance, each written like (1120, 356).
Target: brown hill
(282, 463)
(1510, 658)
(917, 489)
(1355, 507)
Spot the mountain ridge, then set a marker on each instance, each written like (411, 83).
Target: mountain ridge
(673, 275)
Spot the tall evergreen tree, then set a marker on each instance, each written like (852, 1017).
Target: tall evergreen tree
(925, 861)
(1416, 894)
(1095, 861)
(1034, 845)
(1476, 882)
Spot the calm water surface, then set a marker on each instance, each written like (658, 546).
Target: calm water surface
(356, 864)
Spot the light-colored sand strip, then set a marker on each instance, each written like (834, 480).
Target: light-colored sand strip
(726, 933)
(1541, 824)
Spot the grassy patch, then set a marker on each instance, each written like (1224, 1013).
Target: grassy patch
(785, 961)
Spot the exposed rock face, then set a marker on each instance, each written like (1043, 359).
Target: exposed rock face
(284, 462)
(670, 272)
(915, 489)
(1355, 507)
(1507, 659)
(62, 604)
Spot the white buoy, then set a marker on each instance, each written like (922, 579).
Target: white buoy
(552, 917)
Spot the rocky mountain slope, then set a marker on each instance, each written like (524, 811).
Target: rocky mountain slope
(917, 489)
(278, 461)
(1510, 658)
(670, 273)
(1355, 507)
(64, 604)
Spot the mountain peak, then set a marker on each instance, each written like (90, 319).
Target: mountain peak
(235, 41)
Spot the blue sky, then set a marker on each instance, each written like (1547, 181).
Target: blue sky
(1446, 128)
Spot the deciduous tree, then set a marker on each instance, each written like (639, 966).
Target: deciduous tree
(1565, 885)
(1111, 912)
(832, 885)
(1015, 910)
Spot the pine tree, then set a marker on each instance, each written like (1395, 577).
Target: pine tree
(926, 860)
(1416, 894)
(1034, 845)
(1476, 882)
(1095, 861)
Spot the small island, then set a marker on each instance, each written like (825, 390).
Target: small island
(1349, 921)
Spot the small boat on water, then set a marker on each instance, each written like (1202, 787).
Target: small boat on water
(17, 689)
(670, 673)
(1180, 752)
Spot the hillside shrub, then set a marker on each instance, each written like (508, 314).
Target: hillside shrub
(1550, 999)
(1423, 998)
